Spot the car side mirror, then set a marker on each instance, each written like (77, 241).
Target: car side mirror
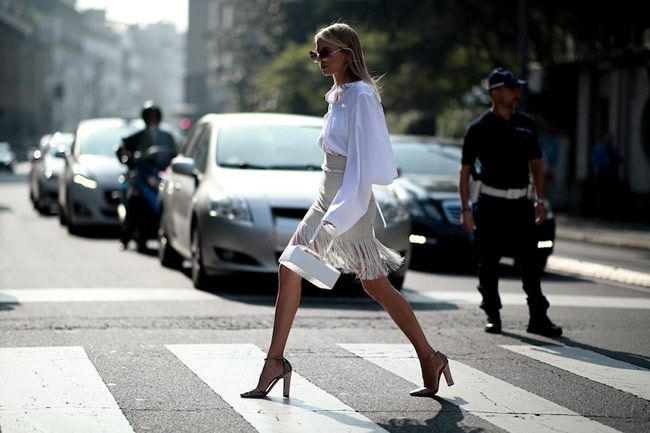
(184, 166)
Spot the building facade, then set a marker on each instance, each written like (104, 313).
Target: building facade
(210, 65)
(61, 66)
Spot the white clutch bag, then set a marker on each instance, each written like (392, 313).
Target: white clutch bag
(309, 265)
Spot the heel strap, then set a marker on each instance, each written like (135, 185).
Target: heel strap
(275, 358)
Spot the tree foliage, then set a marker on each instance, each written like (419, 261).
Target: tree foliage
(433, 54)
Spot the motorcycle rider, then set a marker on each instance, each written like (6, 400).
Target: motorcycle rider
(132, 152)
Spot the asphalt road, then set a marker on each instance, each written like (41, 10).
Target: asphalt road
(95, 339)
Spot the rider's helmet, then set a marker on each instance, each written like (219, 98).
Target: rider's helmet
(148, 109)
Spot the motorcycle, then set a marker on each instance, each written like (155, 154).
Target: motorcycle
(139, 208)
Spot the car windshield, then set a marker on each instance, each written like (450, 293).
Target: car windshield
(289, 147)
(427, 158)
(104, 140)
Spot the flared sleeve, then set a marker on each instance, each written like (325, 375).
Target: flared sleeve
(370, 160)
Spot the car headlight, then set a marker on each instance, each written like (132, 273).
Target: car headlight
(231, 207)
(393, 210)
(84, 181)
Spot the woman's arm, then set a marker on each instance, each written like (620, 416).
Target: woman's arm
(370, 161)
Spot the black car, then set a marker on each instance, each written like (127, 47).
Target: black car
(7, 157)
(429, 170)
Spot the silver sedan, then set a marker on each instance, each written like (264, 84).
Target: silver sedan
(89, 187)
(238, 189)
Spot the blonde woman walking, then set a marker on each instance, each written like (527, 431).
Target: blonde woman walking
(358, 154)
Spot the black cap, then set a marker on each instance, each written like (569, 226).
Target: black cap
(501, 77)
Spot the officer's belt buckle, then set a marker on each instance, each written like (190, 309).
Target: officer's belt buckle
(512, 194)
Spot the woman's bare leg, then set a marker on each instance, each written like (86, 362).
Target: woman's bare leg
(286, 306)
(402, 314)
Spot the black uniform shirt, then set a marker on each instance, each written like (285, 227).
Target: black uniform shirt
(503, 148)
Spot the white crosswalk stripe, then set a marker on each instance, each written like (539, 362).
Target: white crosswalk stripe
(496, 401)
(594, 366)
(474, 298)
(230, 369)
(55, 389)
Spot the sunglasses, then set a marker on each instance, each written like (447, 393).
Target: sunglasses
(317, 56)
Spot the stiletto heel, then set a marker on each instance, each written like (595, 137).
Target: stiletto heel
(287, 384)
(286, 375)
(423, 391)
(447, 372)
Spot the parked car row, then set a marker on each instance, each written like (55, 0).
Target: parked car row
(241, 183)
(47, 163)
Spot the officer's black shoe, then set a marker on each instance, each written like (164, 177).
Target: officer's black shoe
(543, 326)
(493, 325)
(124, 245)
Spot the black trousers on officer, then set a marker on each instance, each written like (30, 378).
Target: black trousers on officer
(502, 223)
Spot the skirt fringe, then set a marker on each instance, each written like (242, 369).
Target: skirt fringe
(368, 258)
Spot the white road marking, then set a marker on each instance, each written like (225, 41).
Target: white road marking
(55, 389)
(496, 401)
(230, 369)
(594, 366)
(595, 270)
(458, 297)
(8, 296)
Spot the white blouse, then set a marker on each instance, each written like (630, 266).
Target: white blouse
(355, 127)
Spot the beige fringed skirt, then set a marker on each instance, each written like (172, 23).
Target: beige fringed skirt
(356, 251)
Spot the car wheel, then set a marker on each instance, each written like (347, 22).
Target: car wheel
(167, 255)
(200, 279)
(43, 209)
(73, 229)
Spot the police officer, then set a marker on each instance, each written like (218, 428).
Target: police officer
(129, 153)
(506, 145)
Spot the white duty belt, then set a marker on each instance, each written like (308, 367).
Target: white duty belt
(508, 194)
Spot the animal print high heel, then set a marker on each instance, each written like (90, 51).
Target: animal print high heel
(286, 375)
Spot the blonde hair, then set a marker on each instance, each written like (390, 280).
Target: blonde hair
(343, 36)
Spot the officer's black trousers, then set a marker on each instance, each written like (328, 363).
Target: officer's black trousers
(503, 227)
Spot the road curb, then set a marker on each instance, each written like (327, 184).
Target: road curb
(607, 239)
(594, 270)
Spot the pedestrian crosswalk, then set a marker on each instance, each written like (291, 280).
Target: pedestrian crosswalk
(58, 389)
